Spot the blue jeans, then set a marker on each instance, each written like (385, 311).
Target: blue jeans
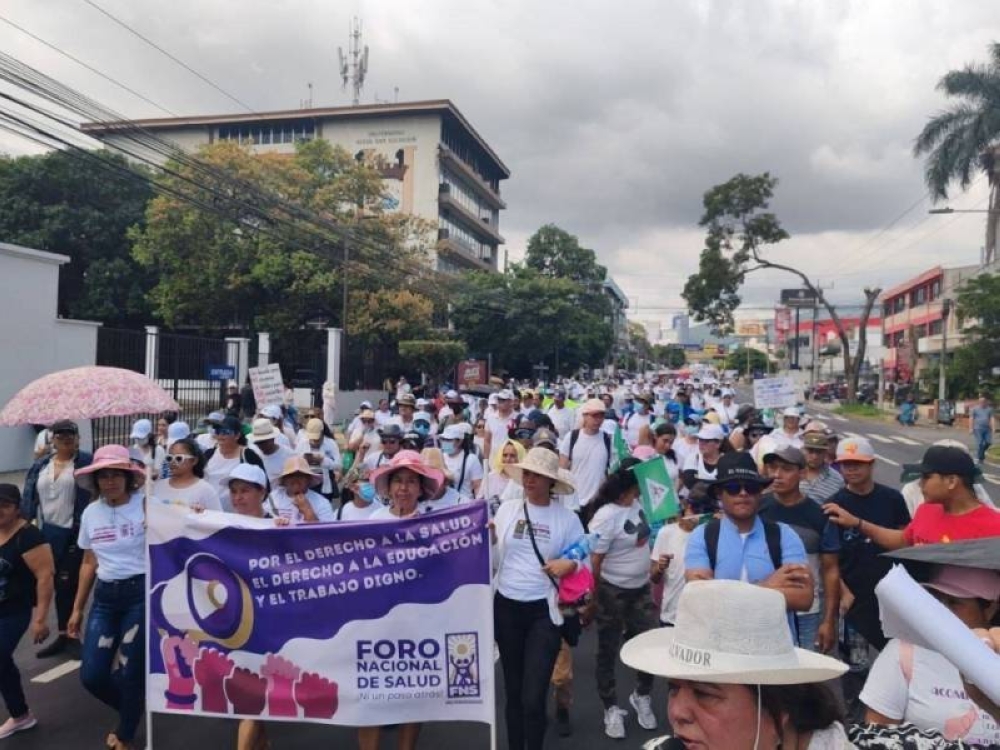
(67, 557)
(983, 442)
(117, 623)
(12, 627)
(808, 626)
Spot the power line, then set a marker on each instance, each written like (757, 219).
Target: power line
(167, 54)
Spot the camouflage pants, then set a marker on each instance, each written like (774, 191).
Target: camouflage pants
(621, 614)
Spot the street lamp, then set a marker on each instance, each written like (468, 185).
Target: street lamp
(942, 378)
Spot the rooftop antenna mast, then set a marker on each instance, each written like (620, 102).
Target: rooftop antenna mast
(354, 66)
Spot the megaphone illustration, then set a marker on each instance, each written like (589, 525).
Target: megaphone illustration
(207, 601)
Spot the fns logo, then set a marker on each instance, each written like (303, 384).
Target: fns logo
(463, 664)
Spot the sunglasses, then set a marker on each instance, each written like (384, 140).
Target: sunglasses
(390, 441)
(224, 432)
(176, 459)
(736, 487)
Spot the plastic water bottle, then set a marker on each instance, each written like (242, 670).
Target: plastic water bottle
(580, 549)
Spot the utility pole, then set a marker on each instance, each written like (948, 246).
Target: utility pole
(814, 354)
(942, 374)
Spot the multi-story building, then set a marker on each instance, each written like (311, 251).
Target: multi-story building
(917, 322)
(433, 162)
(619, 323)
(822, 340)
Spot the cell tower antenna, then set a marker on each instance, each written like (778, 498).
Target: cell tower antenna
(354, 66)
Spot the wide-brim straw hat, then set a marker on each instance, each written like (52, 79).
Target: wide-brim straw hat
(298, 465)
(107, 457)
(431, 479)
(545, 462)
(729, 632)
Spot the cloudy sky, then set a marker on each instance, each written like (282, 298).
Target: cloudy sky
(614, 118)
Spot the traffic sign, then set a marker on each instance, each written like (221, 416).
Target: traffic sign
(221, 372)
(799, 298)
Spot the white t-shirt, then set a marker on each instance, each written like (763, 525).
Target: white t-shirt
(496, 426)
(352, 512)
(199, 495)
(633, 425)
(588, 465)
(623, 536)
(494, 485)
(520, 576)
(274, 463)
(696, 463)
(782, 438)
(727, 414)
(473, 471)
(449, 499)
(153, 459)
(329, 455)
(672, 540)
(285, 508)
(206, 441)
(682, 449)
(218, 468)
(116, 536)
(382, 418)
(562, 419)
(56, 495)
(384, 513)
(913, 684)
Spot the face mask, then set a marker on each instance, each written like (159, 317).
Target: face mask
(449, 447)
(422, 428)
(691, 430)
(367, 492)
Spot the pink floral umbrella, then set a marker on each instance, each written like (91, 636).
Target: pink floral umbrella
(85, 393)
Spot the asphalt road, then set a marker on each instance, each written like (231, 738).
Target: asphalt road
(71, 718)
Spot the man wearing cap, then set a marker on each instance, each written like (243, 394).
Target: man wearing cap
(819, 481)
(789, 432)
(264, 439)
(727, 410)
(498, 424)
(951, 511)
(321, 453)
(562, 416)
(206, 440)
(406, 404)
(454, 411)
(391, 440)
(701, 465)
(586, 453)
(462, 465)
(740, 546)
(816, 628)
(52, 498)
(273, 413)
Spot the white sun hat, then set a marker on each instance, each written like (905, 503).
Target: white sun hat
(729, 632)
(545, 462)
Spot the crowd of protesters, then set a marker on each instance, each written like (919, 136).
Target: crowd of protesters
(768, 569)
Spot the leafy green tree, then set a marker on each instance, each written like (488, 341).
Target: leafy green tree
(670, 356)
(242, 247)
(556, 253)
(64, 204)
(739, 231)
(965, 139)
(740, 358)
(978, 310)
(435, 358)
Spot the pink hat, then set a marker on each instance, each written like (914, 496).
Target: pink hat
(966, 583)
(431, 478)
(107, 457)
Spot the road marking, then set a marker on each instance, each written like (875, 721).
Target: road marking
(991, 478)
(838, 418)
(56, 672)
(889, 461)
(880, 438)
(853, 436)
(906, 440)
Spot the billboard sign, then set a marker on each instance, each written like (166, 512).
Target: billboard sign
(751, 328)
(472, 372)
(799, 298)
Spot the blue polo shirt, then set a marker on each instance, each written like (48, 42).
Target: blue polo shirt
(736, 554)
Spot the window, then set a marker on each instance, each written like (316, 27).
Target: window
(261, 134)
(919, 296)
(935, 289)
(899, 304)
(935, 327)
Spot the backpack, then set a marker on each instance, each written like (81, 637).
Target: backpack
(576, 434)
(772, 533)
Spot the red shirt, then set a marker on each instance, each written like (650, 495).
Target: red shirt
(931, 525)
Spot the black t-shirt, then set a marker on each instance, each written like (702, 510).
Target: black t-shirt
(807, 519)
(861, 564)
(17, 582)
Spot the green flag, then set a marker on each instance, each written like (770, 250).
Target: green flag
(619, 450)
(659, 498)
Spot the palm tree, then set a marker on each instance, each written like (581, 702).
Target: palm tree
(965, 139)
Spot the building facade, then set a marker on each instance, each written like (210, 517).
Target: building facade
(433, 163)
(619, 321)
(918, 322)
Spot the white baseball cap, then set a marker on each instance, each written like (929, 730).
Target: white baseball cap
(271, 411)
(177, 431)
(711, 431)
(792, 411)
(141, 429)
(248, 473)
(453, 432)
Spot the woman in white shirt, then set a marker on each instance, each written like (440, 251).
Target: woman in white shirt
(146, 446)
(406, 480)
(623, 604)
(664, 436)
(530, 536)
(113, 540)
(186, 484)
(914, 685)
(496, 481)
(293, 499)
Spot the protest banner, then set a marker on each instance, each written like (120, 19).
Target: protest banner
(354, 624)
(656, 488)
(268, 387)
(775, 393)
(619, 450)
